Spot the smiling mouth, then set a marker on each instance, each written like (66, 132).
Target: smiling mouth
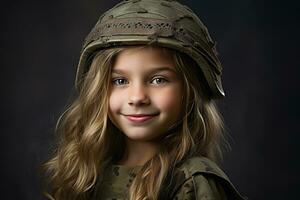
(140, 118)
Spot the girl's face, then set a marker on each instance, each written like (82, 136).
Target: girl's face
(145, 93)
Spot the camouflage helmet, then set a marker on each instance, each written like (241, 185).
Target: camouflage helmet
(166, 23)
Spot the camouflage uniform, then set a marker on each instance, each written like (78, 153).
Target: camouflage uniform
(198, 178)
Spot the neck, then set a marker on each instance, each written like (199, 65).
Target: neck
(137, 153)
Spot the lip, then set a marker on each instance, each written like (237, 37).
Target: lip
(139, 118)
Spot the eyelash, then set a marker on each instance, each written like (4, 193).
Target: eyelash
(114, 81)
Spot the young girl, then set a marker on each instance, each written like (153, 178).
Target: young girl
(144, 124)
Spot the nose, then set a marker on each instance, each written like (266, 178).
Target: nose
(138, 96)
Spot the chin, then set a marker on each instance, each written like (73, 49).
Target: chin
(138, 136)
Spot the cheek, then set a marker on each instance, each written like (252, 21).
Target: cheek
(169, 99)
(114, 102)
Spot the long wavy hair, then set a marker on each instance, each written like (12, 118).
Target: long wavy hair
(89, 141)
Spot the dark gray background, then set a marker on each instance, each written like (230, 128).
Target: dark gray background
(258, 44)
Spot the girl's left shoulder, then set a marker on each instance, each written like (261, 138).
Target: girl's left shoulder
(201, 178)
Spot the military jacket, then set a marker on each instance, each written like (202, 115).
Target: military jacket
(198, 178)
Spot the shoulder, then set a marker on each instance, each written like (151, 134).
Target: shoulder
(201, 178)
(197, 164)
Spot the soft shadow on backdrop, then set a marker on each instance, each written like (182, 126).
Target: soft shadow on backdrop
(257, 41)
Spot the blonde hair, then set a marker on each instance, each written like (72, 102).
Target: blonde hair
(86, 133)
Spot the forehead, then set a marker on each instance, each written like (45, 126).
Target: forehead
(144, 57)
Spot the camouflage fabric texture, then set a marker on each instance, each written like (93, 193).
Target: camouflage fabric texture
(165, 23)
(198, 178)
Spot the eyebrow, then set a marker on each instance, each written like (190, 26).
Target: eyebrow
(158, 69)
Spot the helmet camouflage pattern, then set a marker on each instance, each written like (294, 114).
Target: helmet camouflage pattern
(165, 23)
